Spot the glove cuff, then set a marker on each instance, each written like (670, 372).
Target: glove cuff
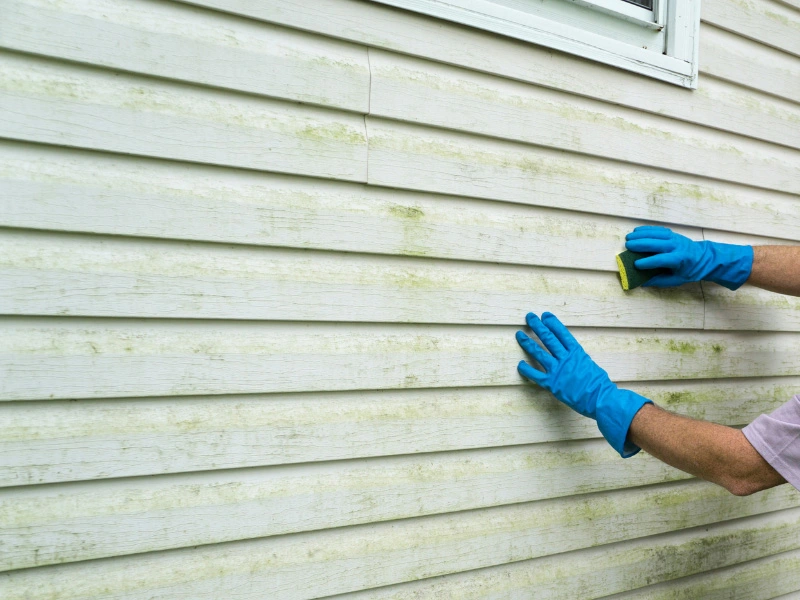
(615, 413)
(733, 264)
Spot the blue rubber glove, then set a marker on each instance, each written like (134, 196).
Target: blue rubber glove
(575, 379)
(728, 265)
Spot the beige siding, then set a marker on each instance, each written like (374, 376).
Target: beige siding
(262, 266)
(46, 442)
(177, 42)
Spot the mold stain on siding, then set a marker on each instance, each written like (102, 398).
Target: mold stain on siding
(52, 82)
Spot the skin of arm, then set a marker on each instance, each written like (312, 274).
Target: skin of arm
(777, 269)
(713, 452)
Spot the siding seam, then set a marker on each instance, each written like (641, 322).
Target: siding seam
(703, 287)
(369, 109)
(366, 136)
(369, 86)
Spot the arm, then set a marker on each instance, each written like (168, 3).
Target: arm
(777, 269)
(629, 422)
(773, 268)
(712, 452)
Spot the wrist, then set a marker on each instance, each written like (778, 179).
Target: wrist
(615, 413)
(731, 264)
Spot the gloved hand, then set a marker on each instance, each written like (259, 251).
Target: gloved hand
(578, 382)
(728, 265)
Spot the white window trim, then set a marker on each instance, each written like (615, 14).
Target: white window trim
(680, 18)
(626, 10)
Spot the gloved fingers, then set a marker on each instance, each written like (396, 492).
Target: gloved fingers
(649, 231)
(528, 372)
(662, 281)
(536, 351)
(650, 245)
(560, 331)
(667, 260)
(548, 339)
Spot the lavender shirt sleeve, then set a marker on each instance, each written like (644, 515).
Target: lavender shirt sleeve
(776, 437)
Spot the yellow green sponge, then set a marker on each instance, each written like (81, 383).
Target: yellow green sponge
(631, 276)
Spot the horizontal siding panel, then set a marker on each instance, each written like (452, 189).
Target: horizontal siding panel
(731, 57)
(423, 92)
(768, 22)
(413, 34)
(732, 237)
(759, 579)
(48, 274)
(416, 157)
(414, 90)
(59, 103)
(69, 190)
(314, 564)
(176, 41)
(750, 308)
(597, 572)
(81, 358)
(757, 114)
(46, 442)
(130, 516)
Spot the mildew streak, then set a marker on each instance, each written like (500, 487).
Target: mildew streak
(143, 38)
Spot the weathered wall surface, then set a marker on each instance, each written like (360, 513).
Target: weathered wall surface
(262, 265)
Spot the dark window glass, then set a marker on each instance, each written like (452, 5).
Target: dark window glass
(648, 4)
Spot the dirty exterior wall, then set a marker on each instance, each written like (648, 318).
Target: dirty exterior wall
(262, 267)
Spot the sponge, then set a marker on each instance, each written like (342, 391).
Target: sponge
(631, 276)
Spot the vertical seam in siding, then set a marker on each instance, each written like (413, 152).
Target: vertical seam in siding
(369, 88)
(366, 135)
(703, 287)
(369, 108)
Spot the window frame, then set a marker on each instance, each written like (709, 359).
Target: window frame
(678, 20)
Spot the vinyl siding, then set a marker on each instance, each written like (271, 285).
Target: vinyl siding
(263, 264)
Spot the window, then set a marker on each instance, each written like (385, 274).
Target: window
(657, 38)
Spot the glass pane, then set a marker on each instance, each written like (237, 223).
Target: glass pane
(648, 4)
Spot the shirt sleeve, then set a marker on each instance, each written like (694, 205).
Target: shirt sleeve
(776, 437)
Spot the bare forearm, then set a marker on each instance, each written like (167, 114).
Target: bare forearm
(712, 452)
(777, 269)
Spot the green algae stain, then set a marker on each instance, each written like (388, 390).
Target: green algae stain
(142, 99)
(410, 381)
(332, 132)
(35, 83)
(665, 192)
(682, 347)
(661, 196)
(342, 65)
(406, 212)
(155, 98)
(415, 235)
(678, 398)
(782, 19)
(491, 95)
